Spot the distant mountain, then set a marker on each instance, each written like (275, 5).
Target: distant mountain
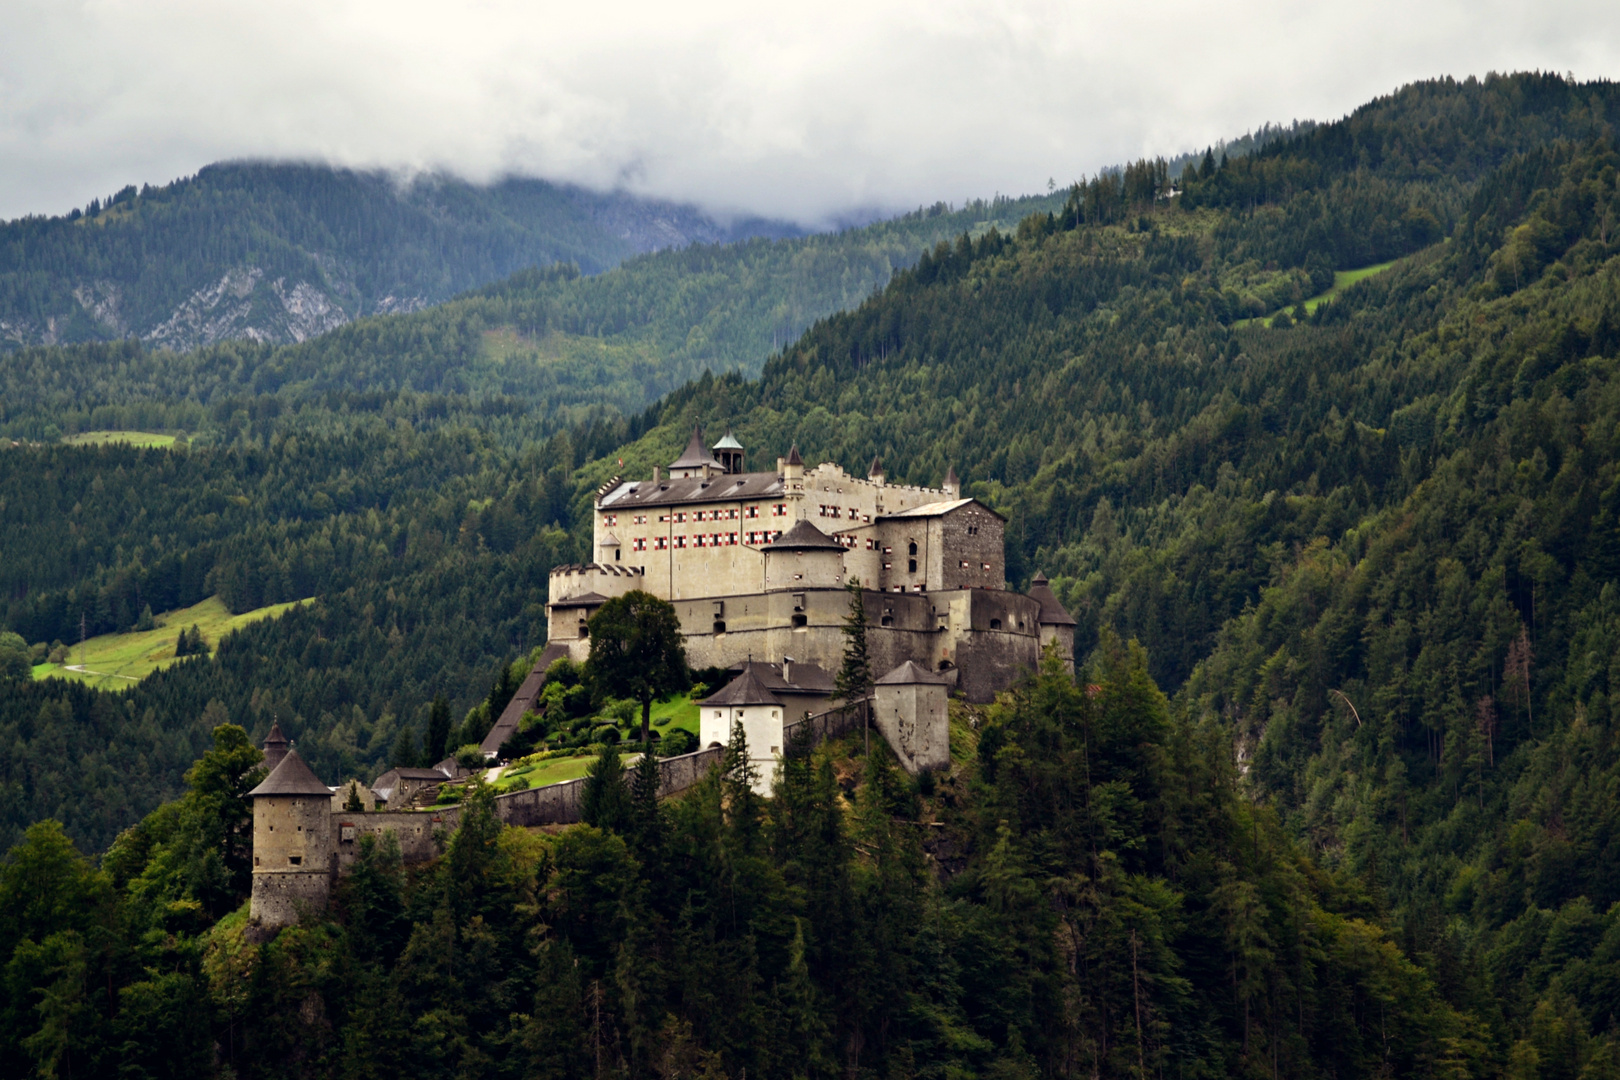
(280, 253)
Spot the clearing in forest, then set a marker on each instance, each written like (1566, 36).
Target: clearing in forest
(133, 438)
(119, 661)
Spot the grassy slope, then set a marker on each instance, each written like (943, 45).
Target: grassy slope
(118, 661)
(1342, 280)
(132, 438)
(677, 713)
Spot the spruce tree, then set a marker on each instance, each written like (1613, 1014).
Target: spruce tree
(855, 677)
(438, 731)
(605, 802)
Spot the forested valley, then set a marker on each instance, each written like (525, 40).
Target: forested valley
(1337, 792)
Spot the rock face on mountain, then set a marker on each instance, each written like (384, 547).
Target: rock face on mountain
(280, 253)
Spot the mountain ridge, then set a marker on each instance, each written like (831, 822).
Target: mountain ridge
(281, 252)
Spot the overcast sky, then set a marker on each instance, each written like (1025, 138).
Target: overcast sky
(795, 109)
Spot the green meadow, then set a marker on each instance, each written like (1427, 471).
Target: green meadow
(1342, 280)
(118, 661)
(132, 438)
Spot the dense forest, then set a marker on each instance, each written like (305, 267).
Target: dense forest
(557, 346)
(1368, 549)
(280, 252)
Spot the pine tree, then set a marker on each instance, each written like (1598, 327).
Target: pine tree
(855, 677)
(438, 731)
(605, 802)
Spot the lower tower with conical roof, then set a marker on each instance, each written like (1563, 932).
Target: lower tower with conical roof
(292, 843)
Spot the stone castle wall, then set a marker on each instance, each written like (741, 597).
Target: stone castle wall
(282, 894)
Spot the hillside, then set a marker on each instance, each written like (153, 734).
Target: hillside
(282, 253)
(1368, 551)
(552, 344)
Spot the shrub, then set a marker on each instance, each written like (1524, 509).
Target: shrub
(677, 742)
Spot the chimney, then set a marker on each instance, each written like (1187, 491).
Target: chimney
(656, 470)
(787, 670)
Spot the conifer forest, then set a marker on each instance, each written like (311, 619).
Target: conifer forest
(1317, 436)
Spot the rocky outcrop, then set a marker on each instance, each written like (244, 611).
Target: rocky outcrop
(242, 304)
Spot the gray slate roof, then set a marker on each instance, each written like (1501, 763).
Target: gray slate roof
(807, 678)
(910, 674)
(291, 777)
(803, 537)
(935, 509)
(679, 490)
(745, 689)
(696, 455)
(584, 599)
(1052, 610)
(506, 724)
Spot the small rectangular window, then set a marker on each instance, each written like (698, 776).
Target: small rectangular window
(680, 541)
(660, 543)
(984, 566)
(964, 564)
(295, 860)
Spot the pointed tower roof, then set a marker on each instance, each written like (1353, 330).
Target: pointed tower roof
(291, 777)
(803, 537)
(793, 457)
(1052, 610)
(695, 456)
(950, 477)
(876, 468)
(728, 441)
(745, 689)
(275, 746)
(911, 673)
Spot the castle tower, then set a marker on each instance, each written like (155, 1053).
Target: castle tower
(694, 460)
(793, 481)
(875, 472)
(275, 746)
(952, 486)
(729, 452)
(1055, 621)
(292, 843)
(804, 557)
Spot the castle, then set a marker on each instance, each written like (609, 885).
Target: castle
(756, 566)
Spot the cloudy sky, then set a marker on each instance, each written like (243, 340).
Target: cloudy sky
(796, 109)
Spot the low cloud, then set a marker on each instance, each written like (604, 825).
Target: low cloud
(798, 110)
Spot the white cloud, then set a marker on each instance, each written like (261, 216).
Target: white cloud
(794, 109)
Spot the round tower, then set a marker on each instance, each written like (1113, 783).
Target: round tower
(292, 843)
(804, 557)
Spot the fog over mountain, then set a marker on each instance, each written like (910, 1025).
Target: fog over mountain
(799, 110)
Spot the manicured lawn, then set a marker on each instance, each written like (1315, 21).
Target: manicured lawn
(551, 771)
(678, 712)
(114, 661)
(133, 438)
